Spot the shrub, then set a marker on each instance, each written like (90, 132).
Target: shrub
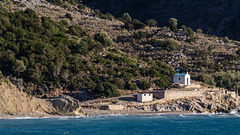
(126, 18)
(169, 45)
(210, 48)
(191, 39)
(226, 40)
(184, 27)
(81, 6)
(103, 38)
(69, 16)
(119, 82)
(162, 82)
(199, 31)
(151, 22)
(140, 35)
(76, 30)
(108, 16)
(190, 32)
(131, 86)
(106, 89)
(144, 85)
(18, 67)
(65, 22)
(208, 78)
(81, 48)
(173, 24)
(154, 42)
(137, 24)
(128, 25)
(153, 73)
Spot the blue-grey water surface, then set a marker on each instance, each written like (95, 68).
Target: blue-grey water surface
(176, 124)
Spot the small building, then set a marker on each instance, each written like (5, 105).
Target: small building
(182, 79)
(144, 96)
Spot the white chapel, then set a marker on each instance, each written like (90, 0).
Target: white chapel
(182, 78)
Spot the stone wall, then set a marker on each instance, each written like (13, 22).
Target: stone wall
(178, 94)
(159, 95)
(111, 107)
(115, 107)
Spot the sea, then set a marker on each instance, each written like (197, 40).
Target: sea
(161, 124)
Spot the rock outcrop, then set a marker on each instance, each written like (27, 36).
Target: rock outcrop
(196, 105)
(14, 102)
(66, 105)
(208, 103)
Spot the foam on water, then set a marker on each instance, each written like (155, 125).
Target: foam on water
(110, 115)
(45, 117)
(234, 111)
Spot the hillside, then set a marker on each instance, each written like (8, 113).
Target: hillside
(221, 16)
(67, 47)
(61, 51)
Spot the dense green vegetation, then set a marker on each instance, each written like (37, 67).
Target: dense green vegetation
(49, 55)
(228, 79)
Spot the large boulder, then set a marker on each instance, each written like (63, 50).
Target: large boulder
(66, 105)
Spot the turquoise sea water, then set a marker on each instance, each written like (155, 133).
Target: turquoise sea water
(182, 124)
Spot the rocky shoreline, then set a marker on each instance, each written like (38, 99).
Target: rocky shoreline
(205, 104)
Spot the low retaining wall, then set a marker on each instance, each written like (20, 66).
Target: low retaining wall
(112, 107)
(159, 95)
(176, 94)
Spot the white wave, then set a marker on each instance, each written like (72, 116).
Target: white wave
(182, 115)
(22, 118)
(234, 111)
(39, 117)
(109, 115)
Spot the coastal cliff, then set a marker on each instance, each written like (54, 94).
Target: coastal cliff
(16, 103)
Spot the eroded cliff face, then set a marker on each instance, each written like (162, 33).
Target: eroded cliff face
(15, 102)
